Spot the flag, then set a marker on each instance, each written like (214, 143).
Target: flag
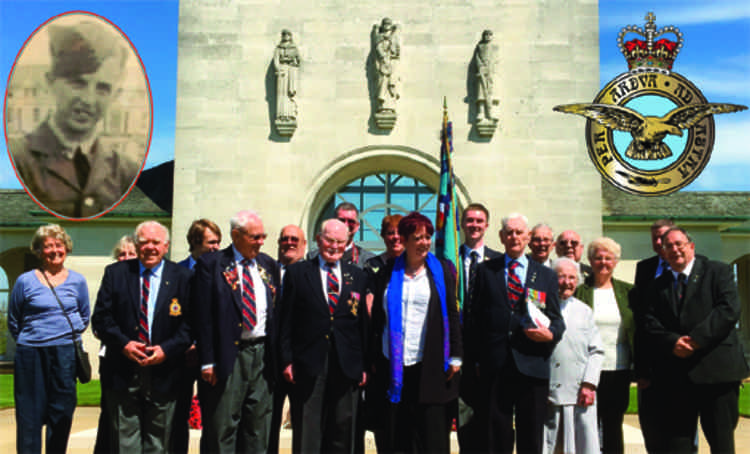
(447, 225)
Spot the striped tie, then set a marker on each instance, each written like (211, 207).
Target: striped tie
(332, 287)
(249, 318)
(143, 316)
(515, 288)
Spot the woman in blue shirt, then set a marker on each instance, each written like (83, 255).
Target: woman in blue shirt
(45, 365)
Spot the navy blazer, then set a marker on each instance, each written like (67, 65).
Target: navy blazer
(116, 317)
(308, 327)
(642, 353)
(217, 302)
(494, 331)
(709, 314)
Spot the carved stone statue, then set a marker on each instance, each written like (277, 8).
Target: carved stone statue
(286, 62)
(484, 58)
(387, 51)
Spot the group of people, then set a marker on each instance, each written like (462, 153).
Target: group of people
(539, 356)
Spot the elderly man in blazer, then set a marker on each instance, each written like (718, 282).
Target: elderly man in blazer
(234, 291)
(141, 317)
(690, 318)
(514, 324)
(324, 344)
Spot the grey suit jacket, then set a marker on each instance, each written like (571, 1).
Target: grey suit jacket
(578, 356)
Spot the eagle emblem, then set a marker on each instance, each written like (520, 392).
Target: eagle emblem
(647, 131)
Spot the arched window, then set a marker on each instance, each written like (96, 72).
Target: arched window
(378, 195)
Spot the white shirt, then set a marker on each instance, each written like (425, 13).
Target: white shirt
(415, 300)
(154, 282)
(259, 288)
(466, 254)
(614, 339)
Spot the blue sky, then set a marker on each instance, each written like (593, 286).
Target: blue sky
(715, 57)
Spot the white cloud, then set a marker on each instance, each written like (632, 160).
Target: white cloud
(732, 143)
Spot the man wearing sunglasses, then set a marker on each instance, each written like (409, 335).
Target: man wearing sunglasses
(234, 289)
(569, 245)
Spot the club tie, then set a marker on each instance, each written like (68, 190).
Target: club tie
(143, 316)
(83, 168)
(515, 288)
(680, 290)
(249, 317)
(332, 287)
(473, 264)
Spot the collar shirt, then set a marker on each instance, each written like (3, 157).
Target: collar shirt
(259, 287)
(70, 146)
(415, 300)
(191, 262)
(661, 267)
(154, 281)
(466, 255)
(323, 268)
(688, 269)
(523, 261)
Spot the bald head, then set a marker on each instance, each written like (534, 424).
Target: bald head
(332, 240)
(569, 245)
(292, 244)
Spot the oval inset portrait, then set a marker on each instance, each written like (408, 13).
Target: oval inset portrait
(78, 115)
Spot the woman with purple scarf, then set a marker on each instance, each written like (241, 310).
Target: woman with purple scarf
(417, 343)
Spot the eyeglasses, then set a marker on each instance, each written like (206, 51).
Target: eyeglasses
(573, 243)
(332, 241)
(680, 245)
(258, 237)
(348, 221)
(288, 239)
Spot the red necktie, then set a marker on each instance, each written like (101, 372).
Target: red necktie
(515, 288)
(143, 316)
(249, 318)
(332, 287)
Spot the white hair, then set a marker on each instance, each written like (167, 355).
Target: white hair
(241, 219)
(504, 221)
(156, 224)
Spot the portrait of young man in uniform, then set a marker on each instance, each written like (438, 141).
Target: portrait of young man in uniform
(84, 154)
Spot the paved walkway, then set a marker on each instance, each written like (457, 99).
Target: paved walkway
(86, 418)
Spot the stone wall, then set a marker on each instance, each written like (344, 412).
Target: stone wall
(228, 155)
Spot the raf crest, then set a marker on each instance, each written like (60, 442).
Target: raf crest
(650, 131)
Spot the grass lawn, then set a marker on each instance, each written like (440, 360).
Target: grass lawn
(88, 394)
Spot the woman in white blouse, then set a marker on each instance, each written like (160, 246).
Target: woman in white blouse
(608, 297)
(417, 343)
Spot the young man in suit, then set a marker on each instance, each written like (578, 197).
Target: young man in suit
(324, 344)
(690, 316)
(510, 345)
(234, 291)
(202, 236)
(474, 222)
(646, 271)
(141, 316)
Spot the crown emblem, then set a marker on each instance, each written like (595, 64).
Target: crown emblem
(652, 54)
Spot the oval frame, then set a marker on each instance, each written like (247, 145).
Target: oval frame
(120, 136)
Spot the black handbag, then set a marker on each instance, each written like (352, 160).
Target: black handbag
(83, 365)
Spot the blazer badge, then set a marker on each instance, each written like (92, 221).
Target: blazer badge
(175, 310)
(353, 303)
(650, 131)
